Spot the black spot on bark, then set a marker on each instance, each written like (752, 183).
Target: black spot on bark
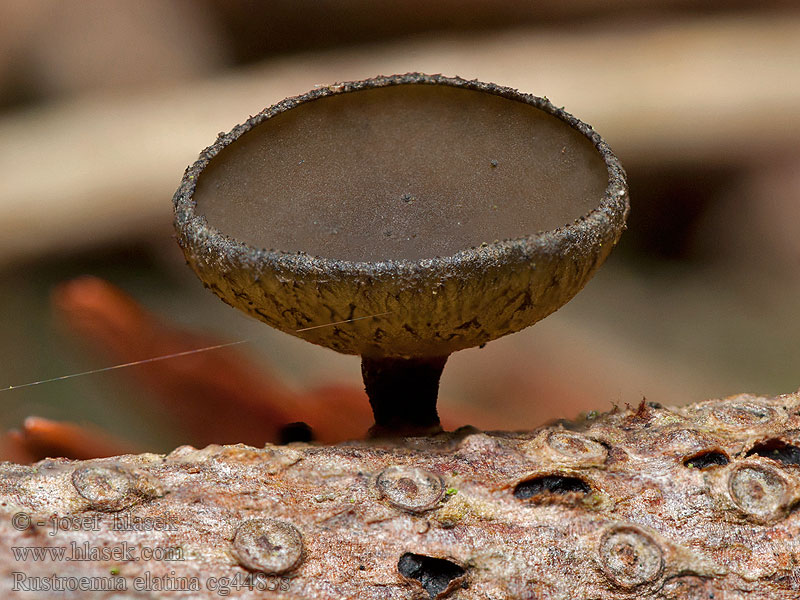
(706, 459)
(435, 574)
(777, 450)
(550, 484)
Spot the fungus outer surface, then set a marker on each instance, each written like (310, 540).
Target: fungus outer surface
(514, 201)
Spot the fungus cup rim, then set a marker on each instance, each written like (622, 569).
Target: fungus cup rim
(608, 217)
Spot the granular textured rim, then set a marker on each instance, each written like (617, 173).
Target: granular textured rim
(613, 207)
(533, 275)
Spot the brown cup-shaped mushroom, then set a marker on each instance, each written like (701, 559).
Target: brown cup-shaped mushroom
(454, 211)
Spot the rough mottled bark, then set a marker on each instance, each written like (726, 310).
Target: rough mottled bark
(649, 502)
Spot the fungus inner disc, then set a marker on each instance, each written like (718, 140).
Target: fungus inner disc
(408, 171)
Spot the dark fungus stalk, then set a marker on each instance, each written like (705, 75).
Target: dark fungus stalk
(450, 212)
(403, 393)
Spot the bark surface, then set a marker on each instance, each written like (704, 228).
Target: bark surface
(649, 502)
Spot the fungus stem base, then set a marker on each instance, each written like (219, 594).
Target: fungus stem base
(403, 394)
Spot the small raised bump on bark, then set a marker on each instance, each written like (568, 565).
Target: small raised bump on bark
(106, 487)
(629, 557)
(574, 448)
(743, 414)
(268, 545)
(410, 488)
(760, 491)
(480, 444)
(684, 443)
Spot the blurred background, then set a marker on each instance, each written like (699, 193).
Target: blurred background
(103, 103)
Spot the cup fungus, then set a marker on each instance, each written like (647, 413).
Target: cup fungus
(402, 218)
